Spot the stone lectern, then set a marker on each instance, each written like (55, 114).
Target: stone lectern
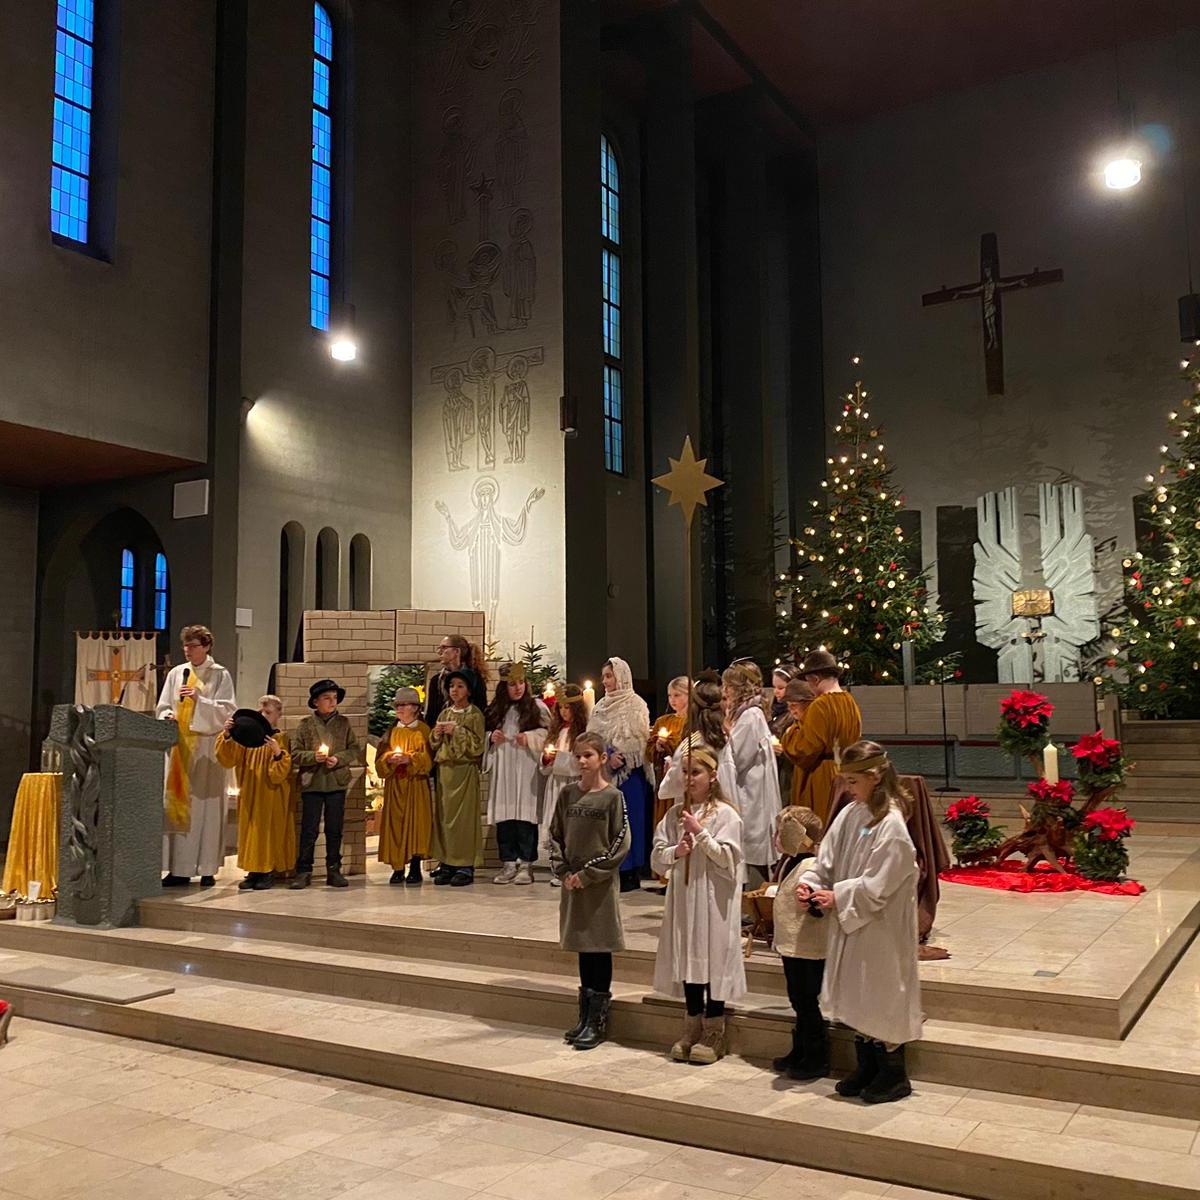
(110, 843)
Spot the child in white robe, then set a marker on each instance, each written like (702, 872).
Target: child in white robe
(698, 846)
(865, 879)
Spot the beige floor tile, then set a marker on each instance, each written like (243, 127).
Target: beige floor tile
(72, 1173)
(116, 1081)
(396, 1185)
(710, 1169)
(241, 1076)
(1021, 1112)
(614, 1150)
(56, 1072)
(305, 1125)
(642, 1187)
(32, 1105)
(161, 1139)
(313, 1176)
(1134, 1129)
(19, 1150)
(477, 1167)
(92, 1127)
(19, 1054)
(305, 1088)
(228, 1158)
(384, 1148)
(555, 1177)
(173, 1097)
(238, 1110)
(151, 1183)
(803, 1183)
(531, 1137)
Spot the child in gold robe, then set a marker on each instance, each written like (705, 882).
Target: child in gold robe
(403, 761)
(264, 790)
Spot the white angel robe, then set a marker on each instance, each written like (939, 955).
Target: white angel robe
(201, 850)
(674, 780)
(514, 789)
(871, 979)
(701, 936)
(756, 784)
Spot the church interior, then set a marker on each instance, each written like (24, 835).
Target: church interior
(818, 376)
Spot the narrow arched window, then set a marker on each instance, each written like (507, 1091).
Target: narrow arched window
(71, 148)
(291, 590)
(321, 239)
(360, 571)
(610, 276)
(127, 587)
(328, 569)
(160, 591)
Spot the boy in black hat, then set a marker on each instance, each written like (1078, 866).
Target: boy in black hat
(324, 749)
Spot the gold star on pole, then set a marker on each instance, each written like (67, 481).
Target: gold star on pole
(687, 481)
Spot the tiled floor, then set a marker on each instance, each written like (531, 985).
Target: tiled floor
(90, 1116)
(1077, 942)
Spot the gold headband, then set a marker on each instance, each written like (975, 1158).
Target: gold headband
(862, 764)
(701, 754)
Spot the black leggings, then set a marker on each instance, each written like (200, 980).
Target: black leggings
(700, 1003)
(595, 971)
(804, 977)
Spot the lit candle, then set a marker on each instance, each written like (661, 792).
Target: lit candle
(589, 693)
(776, 744)
(663, 732)
(323, 750)
(549, 693)
(1050, 763)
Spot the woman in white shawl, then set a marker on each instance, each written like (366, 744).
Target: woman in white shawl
(622, 719)
(756, 785)
(865, 879)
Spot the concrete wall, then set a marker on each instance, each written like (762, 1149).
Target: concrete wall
(115, 351)
(18, 532)
(326, 444)
(487, 337)
(1090, 362)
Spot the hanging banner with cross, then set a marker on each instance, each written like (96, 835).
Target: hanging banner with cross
(116, 667)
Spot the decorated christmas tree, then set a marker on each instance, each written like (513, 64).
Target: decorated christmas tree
(854, 589)
(1150, 651)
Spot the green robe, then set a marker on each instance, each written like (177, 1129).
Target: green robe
(457, 820)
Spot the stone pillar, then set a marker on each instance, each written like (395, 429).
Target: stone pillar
(110, 842)
(672, 372)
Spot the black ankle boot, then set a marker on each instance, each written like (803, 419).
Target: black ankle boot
(413, 878)
(785, 1062)
(813, 1061)
(579, 1025)
(595, 1029)
(891, 1083)
(864, 1073)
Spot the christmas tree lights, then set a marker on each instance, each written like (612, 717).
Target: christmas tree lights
(852, 589)
(1149, 651)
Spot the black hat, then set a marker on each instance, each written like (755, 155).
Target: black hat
(465, 674)
(322, 686)
(250, 728)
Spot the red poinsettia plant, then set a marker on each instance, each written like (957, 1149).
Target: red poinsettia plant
(973, 832)
(1052, 802)
(1024, 723)
(1099, 761)
(1099, 846)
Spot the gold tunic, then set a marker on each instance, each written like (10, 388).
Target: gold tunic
(264, 803)
(832, 720)
(406, 822)
(457, 821)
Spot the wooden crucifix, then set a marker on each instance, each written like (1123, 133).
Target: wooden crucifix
(990, 287)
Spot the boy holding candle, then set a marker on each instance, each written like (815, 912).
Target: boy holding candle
(404, 761)
(324, 749)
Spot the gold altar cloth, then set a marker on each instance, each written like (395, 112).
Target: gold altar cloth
(33, 839)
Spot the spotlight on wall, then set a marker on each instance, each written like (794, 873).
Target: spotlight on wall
(1122, 173)
(247, 406)
(343, 344)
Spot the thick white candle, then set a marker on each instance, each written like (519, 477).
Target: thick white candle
(1050, 762)
(589, 694)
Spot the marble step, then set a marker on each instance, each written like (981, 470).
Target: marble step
(951, 1054)
(978, 1144)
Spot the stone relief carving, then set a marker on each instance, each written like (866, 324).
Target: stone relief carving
(469, 408)
(483, 538)
(512, 147)
(520, 269)
(455, 158)
(83, 803)
(520, 54)
(997, 576)
(1068, 566)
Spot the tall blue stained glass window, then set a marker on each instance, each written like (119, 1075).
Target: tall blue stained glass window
(127, 586)
(320, 257)
(71, 152)
(160, 591)
(610, 282)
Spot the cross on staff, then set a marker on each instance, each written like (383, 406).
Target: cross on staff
(687, 483)
(116, 677)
